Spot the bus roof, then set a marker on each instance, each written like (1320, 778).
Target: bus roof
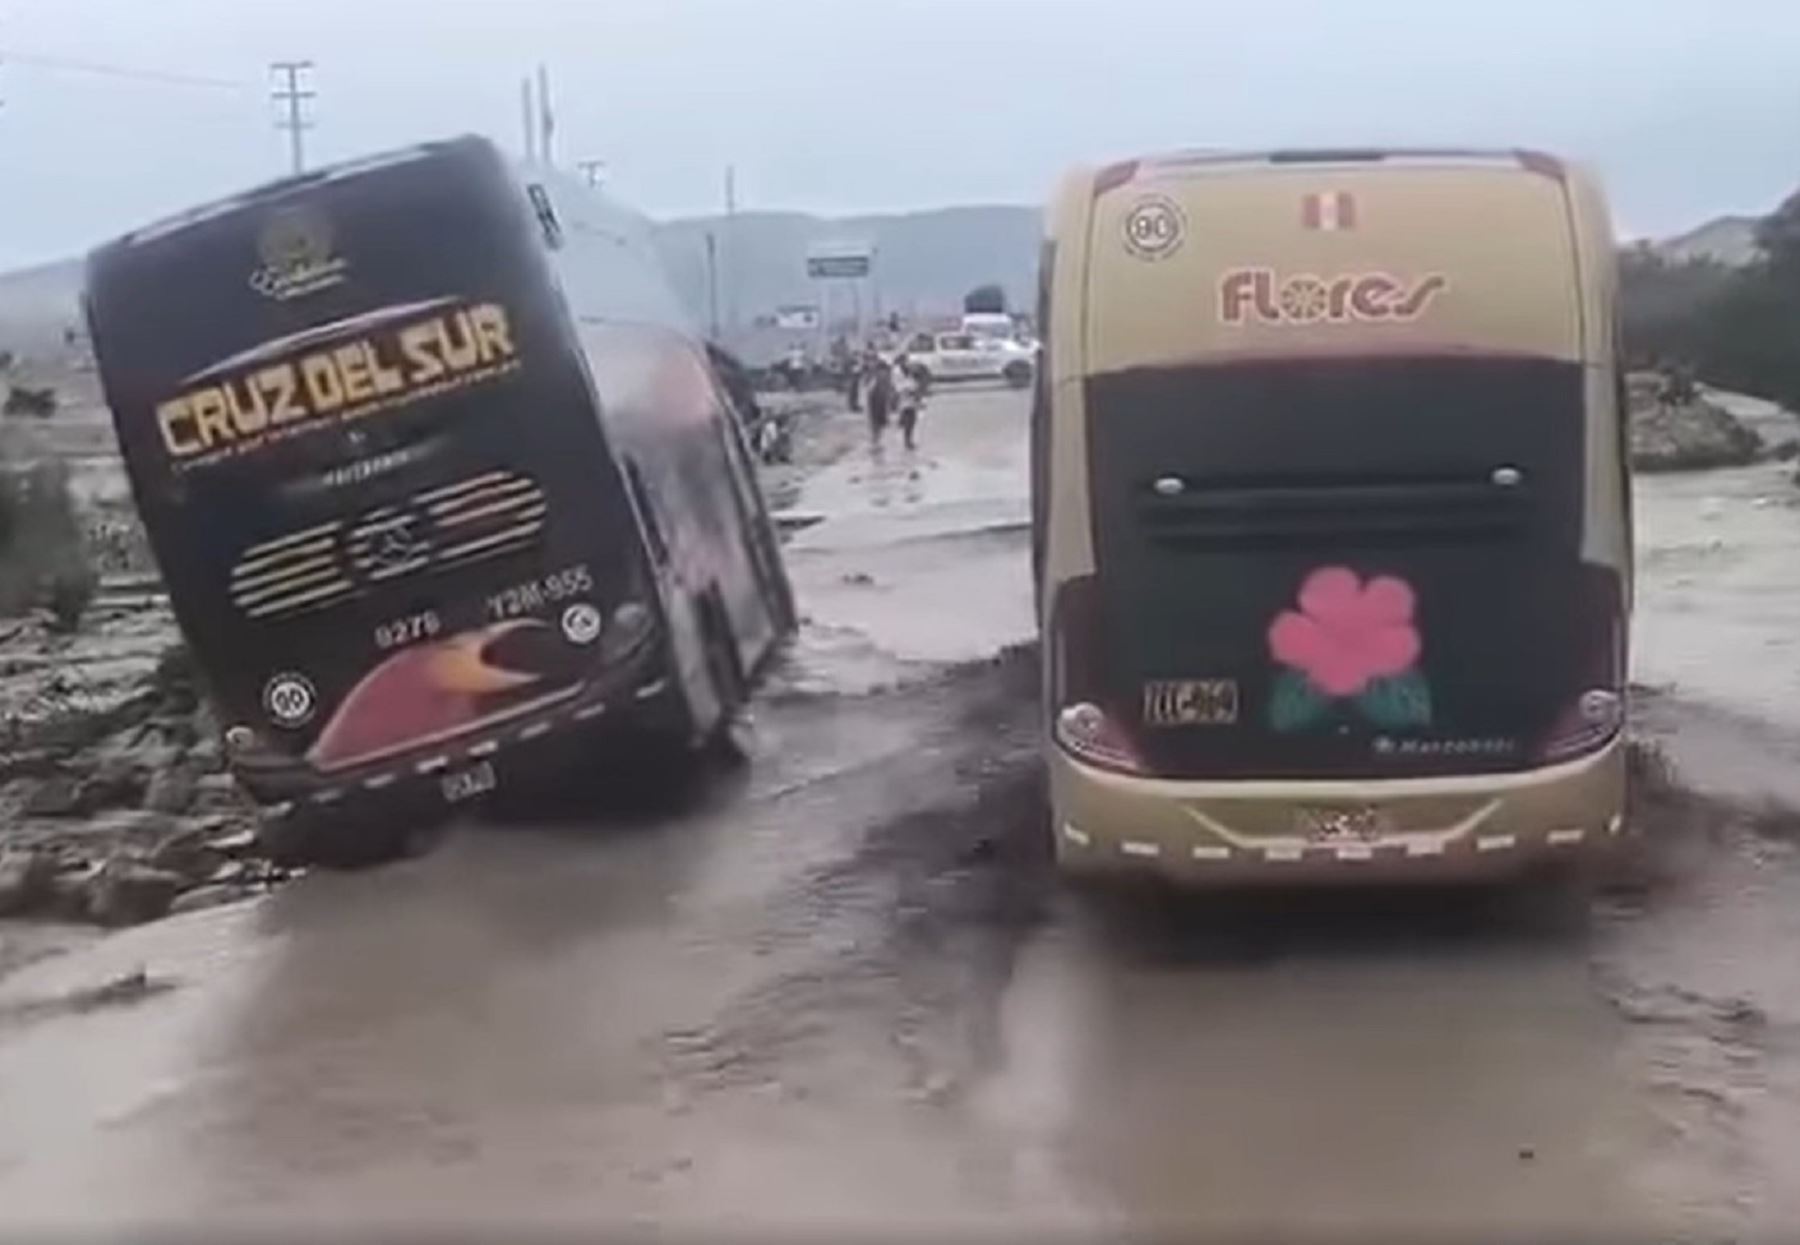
(283, 186)
(1223, 160)
(1210, 256)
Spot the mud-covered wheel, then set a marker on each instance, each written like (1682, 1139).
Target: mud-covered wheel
(1017, 373)
(331, 837)
(728, 740)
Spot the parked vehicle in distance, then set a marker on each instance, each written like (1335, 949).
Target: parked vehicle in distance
(993, 324)
(1331, 517)
(959, 355)
(445, 491)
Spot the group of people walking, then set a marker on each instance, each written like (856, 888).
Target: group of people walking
(889, 391)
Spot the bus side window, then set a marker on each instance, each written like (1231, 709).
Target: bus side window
(546, 215)
(653, 533)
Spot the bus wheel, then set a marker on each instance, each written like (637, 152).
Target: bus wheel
(347, 838)
(728, 740)
(1018, 375)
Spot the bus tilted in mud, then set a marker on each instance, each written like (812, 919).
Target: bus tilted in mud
(1331, 517)
(441, 482)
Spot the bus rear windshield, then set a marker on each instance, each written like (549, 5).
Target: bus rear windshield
(286, 320)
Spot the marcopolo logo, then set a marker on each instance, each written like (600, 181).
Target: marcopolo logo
(296, 254)
(1261, 295)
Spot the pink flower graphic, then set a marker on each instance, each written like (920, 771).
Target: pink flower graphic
(1347, 633)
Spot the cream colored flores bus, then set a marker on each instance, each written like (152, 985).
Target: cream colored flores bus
(1331, 516)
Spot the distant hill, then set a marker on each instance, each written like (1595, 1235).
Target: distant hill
(1729, 240)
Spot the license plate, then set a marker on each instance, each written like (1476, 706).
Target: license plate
(466, 784)
(1361, 824)
(1191, 702)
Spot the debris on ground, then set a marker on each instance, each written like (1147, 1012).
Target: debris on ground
(114, 801)
(123, 990)
(27, 880)
(820, 429)
(1684, 431)
(38, 400)
(124, 891)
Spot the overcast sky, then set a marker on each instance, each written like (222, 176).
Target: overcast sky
(1689, 107)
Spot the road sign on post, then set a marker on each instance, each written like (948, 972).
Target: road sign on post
(847, 261)
(843, 267)
(841, 261)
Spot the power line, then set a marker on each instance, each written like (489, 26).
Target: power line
(118, 71)
(292, 95)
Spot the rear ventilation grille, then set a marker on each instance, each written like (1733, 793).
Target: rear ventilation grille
(488, 515)
(1271, 513)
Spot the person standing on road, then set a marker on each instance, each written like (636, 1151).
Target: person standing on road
(909, 399)
(843, 368)
(880, 398)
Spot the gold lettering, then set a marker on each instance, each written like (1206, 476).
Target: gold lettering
(354, 374)
(492, 333)
(388, 378)
(248, 414)
(283, 388)
(461, 351)
(324, 388)
(415, 344)
(353, 368)
(167, 415)
(212, 416)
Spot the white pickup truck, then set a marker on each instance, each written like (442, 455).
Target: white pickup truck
(960, 355)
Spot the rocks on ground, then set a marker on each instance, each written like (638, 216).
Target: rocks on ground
(1689, 434)
(114, 804)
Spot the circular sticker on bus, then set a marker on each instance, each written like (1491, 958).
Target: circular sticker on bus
(1155, 227)
(290, 700)
(581, 623)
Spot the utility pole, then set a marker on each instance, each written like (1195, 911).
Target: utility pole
(546, 152)
(528, 118)
(591, 170)
(712, 281)
(293, 95)
(731, 307)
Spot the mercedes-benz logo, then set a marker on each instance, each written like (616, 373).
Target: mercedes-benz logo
(396, 544)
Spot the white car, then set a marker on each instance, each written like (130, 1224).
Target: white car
(958, 355)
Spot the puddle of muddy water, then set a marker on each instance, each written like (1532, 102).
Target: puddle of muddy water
(1718, 611)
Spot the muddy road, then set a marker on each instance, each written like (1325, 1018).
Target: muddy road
(842, 989)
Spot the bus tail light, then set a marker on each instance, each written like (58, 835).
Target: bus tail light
(625, 630)
(1084, 729)
(1595, 717)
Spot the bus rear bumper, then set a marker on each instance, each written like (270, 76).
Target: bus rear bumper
(1489, 826)
(641, 697)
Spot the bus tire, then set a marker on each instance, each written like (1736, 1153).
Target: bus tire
(346, 838)
(1017, 374)
(724, 739)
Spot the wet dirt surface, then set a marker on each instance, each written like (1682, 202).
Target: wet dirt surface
(840, 989)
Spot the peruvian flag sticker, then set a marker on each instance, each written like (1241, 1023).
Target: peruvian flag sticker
(1330, 211)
